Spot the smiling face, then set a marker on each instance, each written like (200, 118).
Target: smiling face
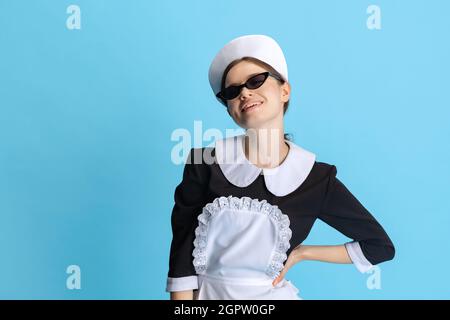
(269, 99)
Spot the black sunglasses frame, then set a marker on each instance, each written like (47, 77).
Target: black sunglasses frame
(246, 84)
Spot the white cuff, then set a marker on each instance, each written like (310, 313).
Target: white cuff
(182, 283)
(357, 256)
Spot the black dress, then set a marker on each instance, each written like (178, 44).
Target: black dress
(297, 192)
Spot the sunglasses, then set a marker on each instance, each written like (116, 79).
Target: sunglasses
(254, 82)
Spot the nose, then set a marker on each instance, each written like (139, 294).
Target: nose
(245, 93)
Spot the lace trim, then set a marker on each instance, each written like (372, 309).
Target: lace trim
(245, 203)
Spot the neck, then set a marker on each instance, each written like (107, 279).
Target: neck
(265, 147)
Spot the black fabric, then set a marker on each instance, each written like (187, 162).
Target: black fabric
(345, 213)
(321, 196)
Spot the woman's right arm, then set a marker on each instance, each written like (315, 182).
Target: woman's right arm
(182, 295)
(189, 201)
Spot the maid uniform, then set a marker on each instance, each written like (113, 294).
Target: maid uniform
(234, 224)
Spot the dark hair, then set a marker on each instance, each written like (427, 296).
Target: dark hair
(264, 65)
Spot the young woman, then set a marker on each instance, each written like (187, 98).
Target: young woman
(244, 206)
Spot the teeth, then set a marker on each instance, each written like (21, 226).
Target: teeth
(253, 104)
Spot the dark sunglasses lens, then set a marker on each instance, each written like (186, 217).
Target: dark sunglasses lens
(256, 81)
(230, 92)
(252, 83)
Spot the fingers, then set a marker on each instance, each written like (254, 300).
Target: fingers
(289, 263)
(279, 278)
(282, 274)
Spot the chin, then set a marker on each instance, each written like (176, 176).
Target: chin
(254, 123)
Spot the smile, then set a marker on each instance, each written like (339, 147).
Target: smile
(252, 106)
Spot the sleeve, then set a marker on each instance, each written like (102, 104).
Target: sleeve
(342, 211)
(189, 201)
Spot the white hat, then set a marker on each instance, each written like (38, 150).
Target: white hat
(260, 47)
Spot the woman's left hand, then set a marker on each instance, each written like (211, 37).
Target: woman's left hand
(334, 254)
(295, 256)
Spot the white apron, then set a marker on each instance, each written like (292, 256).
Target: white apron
(240, 248)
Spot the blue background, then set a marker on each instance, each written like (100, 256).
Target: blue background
(86, 117)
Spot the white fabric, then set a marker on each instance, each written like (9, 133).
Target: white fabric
(211, 288)
(240, 247)
(357, 256)
(261, 47)
(182, 283)
(280, 180)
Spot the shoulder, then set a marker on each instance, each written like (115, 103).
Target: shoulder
(199, 162)
(324, 167)
(322, 171)
(196, 170)
(203, 156)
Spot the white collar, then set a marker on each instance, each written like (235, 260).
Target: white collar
(280, 180)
